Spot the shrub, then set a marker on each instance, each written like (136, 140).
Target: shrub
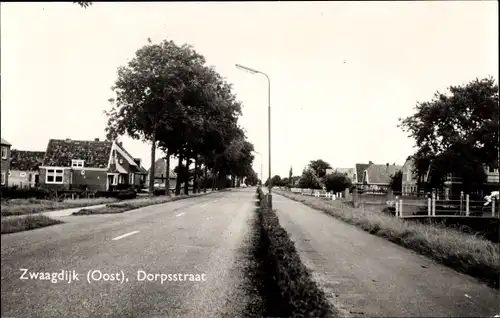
(158, 192)
(300, 293)
(35, 193)
(126, 195)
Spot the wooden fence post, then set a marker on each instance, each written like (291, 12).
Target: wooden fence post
(396, 203)
(429, 207)
(461, 202)
(433, 204)
(493, 207)
(467, 205)
(401, 208)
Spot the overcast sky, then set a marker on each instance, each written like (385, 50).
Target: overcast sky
(341, 73)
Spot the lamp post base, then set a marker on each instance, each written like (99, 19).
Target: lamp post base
(270, 201)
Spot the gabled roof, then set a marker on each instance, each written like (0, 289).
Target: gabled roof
(160, 168)
(381, 173)
(60, 153)
(26, 160)
(5, 142)
(360, 168)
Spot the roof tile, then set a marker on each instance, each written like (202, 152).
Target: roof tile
(60, 153)
(26, 160)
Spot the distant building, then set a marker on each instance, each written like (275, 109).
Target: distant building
(161, 175)
(5, 166)
(24, 166)
(378, 177)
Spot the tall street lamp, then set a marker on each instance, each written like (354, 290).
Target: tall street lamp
(253, 71)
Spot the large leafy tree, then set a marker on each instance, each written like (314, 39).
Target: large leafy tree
(396, 182)
(337, 182)
(456, 133)
(319, 167)
(309, 179)
(149, 94)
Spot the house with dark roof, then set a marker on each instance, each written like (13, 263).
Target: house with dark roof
(24, 165)
(378, 177)
(359, 170)
(5, 165)
(89, 165)
(161, 175)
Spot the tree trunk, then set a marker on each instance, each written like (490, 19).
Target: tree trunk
(195, 177)
(179, 176)
(167, 171)
(186, 180)
(152, 171)
(233, 181)
(206, 175)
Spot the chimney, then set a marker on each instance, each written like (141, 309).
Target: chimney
(387, 164)
(68, 139)
(96, 139)
(370, 162)
(120, 144)
(137, 161)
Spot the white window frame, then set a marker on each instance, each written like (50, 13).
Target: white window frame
(4, 177)
(115, 180)
(5, 150)
(131, 179)
(55, 173)
(77, 163)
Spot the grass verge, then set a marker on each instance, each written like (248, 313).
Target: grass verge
(287, 285)
(469, 254)
(26, 223)
(121, 207)
(33, 206)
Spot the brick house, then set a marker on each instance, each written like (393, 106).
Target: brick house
(378, 177)
(24, 165)
(91, 165)
(5, 165)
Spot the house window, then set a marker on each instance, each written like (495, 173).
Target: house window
(131, 179)
(4, 153)
(114, 181)
(77, 163)
(54, 176)
(3, 178)
(29, 177)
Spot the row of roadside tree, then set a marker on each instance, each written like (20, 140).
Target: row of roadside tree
(170, 98)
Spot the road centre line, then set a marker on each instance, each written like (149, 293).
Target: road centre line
(125, 235)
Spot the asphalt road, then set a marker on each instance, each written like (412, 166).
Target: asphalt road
(370, 276)
(205, 235)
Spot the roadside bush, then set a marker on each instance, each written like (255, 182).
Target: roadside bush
(157, 192)
(31, 193)
(126, 195)
(302, 296)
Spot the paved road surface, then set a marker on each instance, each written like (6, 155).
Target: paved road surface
(371, 276)
(204, 235)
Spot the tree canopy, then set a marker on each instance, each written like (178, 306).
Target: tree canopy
(337, 182)
(456, 133)
(167, 96)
